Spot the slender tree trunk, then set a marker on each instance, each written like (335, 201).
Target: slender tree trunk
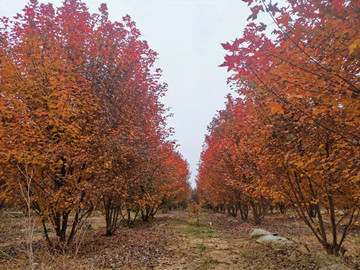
(244, 211)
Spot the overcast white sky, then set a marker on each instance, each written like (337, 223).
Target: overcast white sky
(187, 35)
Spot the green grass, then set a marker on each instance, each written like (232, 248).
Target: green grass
(42, 230)
(200, 231)
(246, 253)
(201, 246)
(179, 222)
(190, 228)
(209, 262)
(206, 212)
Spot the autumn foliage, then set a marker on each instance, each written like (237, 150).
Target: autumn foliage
(293, 137)
(230, 174)
(81, 120)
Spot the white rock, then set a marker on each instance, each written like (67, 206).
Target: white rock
(337, 266)
(259, 232)
(273, 239)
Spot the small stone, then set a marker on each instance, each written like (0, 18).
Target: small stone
(259, 232)
(273, 239)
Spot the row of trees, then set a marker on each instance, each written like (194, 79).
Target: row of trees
(231, 177)
(81, 124)
(293, 137)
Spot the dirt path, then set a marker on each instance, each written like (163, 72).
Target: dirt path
(174, 241)
(198, 247)
(213, 246)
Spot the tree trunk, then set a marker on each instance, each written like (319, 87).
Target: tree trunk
(244, 211)
(259, 210)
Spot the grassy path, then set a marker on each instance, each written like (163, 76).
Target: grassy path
(214, 247)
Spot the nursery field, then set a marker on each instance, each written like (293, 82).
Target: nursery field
(89, 157)
(173, 240)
